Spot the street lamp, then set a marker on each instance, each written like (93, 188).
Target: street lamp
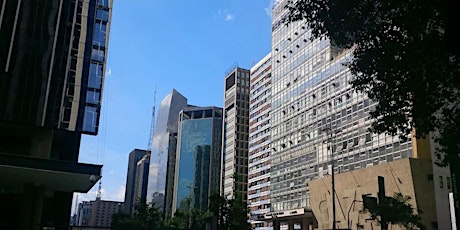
(331, 132)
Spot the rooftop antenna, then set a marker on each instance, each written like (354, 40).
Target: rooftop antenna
(99, 190)
(152, 124)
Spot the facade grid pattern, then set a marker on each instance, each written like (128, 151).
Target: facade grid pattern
(259, 143)
(311, 96)
(235, 134)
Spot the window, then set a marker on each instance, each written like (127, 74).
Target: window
(103, 3)
(95, 76)
(430, 177)
(100, 32)
(441, 182)
(102, 15)
(97, 55)
(90, 119)
(93, 97)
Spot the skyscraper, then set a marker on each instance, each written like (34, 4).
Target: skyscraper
(163, 156)
(52, 65)
(132, 179)
(141, 182)
(259, 142)
(235, 134)
(319, 124)
(197, 171)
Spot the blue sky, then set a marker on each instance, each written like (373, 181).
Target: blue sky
(183, 44)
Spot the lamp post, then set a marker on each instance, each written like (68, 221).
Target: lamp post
(331, 133)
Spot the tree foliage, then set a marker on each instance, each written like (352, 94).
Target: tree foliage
(405, 58)
(146, 217)
(395, 210)
(231, 214)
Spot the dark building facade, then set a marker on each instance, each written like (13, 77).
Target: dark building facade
(52, 64)
(141, 181)
(132, 179)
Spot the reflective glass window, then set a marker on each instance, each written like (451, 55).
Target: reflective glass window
(93, 97)
(102, 15)
(95, 76)
(103, 3)
(97, 55)
(99, 34)
(90, 119)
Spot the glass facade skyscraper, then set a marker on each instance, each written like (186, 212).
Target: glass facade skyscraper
(163, 155)
(197, 172)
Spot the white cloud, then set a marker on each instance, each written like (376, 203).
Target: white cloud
(108, 71)
(120, 195)
(225, 14)
(229, 17)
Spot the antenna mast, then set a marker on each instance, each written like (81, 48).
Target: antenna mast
(152, 124)
(99, 190)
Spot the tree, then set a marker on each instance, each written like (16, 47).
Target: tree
(405, 58)
(146, 217)
(395, 210)
(230, 214)
(191, 219)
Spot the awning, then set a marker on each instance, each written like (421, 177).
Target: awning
(56, 175)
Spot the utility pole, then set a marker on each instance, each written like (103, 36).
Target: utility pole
(333, 181)
(331, 134)
(382, 197)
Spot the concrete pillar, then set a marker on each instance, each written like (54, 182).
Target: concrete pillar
(62, 209)
(305, 224)
(291, 224)
(276, 225)
(31, 208)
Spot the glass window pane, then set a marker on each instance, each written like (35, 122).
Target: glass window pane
(97, 55)
(103, 3)
(99, 34)
(95, 76)
(93, 97)
(90, 119)
(102, 15)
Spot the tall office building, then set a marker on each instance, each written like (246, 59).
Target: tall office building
(97, 213)
(83, 213)
(102, 212)
(197, 173)
(319, 124)
(163, 156)
(259, 143)
(141, 181)
(235, 134)
(52, 65)
(132, 179)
